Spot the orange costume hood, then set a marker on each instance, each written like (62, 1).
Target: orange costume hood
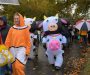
(21, 20)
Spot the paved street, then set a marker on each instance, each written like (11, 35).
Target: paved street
(40, 66)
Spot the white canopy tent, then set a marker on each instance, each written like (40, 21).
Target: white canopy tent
(12, 2)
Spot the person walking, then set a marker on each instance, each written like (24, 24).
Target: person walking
(18, 42)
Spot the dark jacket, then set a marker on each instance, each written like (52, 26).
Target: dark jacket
(4, 28)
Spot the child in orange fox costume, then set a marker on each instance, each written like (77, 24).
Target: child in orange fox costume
(18, 42)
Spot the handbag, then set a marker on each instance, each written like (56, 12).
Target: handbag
(79, 37)
(5, 56)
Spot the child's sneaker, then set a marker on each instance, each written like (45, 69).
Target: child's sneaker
(57, 67)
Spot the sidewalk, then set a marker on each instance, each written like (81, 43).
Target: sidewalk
(86, 70)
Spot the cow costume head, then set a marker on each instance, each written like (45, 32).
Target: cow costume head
(51, 25)
(31, 23)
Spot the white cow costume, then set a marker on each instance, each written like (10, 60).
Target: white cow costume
(29, 22)
(54, 40)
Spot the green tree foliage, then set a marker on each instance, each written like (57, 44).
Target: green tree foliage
(38, 8)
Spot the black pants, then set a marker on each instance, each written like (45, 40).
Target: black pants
(84, 39)
(89, 38)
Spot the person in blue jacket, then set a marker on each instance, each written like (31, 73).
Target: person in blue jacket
(4, 28)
